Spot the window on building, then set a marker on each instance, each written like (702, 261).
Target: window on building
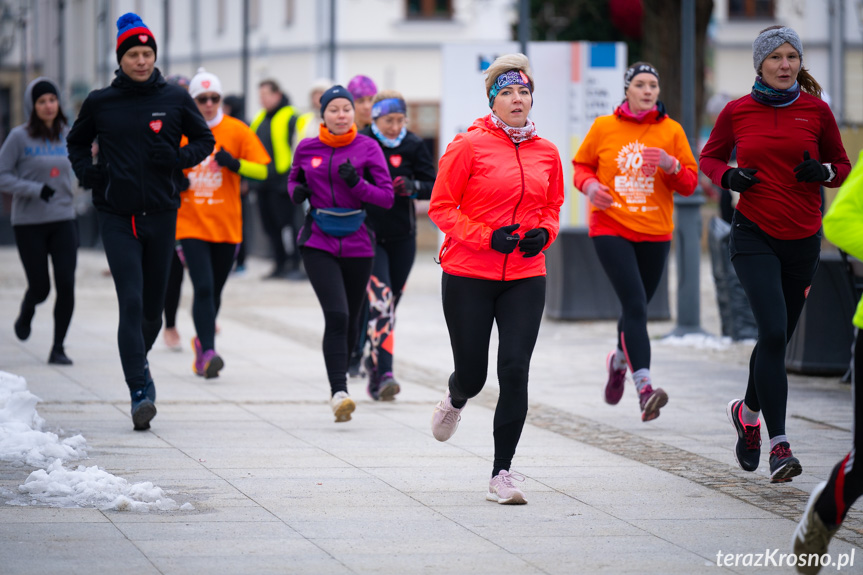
(254, 14)
(289, 12)
(429, 9)
(751, 9)
(220, 16)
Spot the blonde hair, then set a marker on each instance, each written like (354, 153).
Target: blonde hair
(504, 64)
(387, 95)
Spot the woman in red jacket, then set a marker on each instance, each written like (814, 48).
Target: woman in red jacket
(630, 164)
(497, 198)
(788, 146)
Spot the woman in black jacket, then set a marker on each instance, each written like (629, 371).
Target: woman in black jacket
(413, 173)
(138, 121)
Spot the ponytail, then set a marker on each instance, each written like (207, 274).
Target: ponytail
(808, 83)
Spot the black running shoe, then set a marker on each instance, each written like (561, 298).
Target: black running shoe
(747, 452)
(783, 465)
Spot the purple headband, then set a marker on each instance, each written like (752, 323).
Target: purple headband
(507, 79)
(389, 106)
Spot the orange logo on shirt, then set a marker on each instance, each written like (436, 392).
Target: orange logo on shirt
(316, 161)
(396, 161)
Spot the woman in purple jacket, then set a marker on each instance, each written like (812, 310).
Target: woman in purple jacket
(338, 172)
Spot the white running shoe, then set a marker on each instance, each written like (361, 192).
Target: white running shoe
(811, 537)
(343, 406)
(445, 418)
(501, 489)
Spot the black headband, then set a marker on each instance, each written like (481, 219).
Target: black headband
(633, 71)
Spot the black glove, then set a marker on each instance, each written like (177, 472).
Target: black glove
(739, 179)
(404, 186)
(503, 240)
(301, 193)
(348, 173)
(533, 242)
(93, 178)
(46, 193)
(226, 160)
(164, 156)
(810, 170)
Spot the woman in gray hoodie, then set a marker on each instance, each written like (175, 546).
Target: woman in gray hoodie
(35, 169)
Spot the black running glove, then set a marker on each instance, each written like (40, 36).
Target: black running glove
(164, 156)
(503, 240)
(301, 193)
(348, 173)
(46, 193)
(739, 179)
(533, 242)
(811, 170)
(226, 160)
(403, 186)
(93, 178)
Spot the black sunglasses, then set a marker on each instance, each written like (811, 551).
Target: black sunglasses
(203, 99)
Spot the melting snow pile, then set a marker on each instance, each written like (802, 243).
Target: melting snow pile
(698, 341)
(23, 442)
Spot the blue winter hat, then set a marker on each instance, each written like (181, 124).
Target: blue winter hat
(131, 32)
(334, 93)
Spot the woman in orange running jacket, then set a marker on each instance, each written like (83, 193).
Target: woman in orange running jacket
(630, 164)
(497, 198)
(210, 218)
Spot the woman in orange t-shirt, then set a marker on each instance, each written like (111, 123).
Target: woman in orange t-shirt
(210, 219)
(629, 165)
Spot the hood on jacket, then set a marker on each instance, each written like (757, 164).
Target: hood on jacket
(28, 95)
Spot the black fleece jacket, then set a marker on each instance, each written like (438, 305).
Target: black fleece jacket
(138, 126)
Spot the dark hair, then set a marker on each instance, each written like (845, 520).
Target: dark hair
(37, 129)
(804, 78)
(271, 84)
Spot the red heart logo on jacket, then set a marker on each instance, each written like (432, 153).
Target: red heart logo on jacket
(156, 125)
(396, 160)
(316, 161)
(55, 171)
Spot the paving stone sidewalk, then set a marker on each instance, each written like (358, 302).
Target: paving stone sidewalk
(277, 487)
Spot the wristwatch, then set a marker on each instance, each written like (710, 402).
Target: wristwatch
(678, 168)
(831, 170)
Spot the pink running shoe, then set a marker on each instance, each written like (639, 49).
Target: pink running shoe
(651, 400)
(198, 365)
(501, 489)
(212, 364)
(616, 380)
(445, 418)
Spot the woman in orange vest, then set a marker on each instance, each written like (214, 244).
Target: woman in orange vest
(630, 164)
(497, 198)
(210, 219)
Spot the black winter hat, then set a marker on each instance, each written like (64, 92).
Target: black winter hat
(333, 93)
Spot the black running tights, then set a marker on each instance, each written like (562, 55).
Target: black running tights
(138, 249)
(471, 306)
(36, 242)
(846, 480)
(393, 262)
(175, 288)
(340, 285)
(209, 267)
(634, 270)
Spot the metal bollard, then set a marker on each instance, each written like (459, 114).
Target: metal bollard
(687, 251)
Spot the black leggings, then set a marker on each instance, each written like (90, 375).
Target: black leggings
(776, 276)
(846, 480)
(36, 242)
(209, 266)
(138, 249)
(175, 288)
(470, 307)
(340, 284)
(634, 270)
(393, 262)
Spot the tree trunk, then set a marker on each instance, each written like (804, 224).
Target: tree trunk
(661, 47)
